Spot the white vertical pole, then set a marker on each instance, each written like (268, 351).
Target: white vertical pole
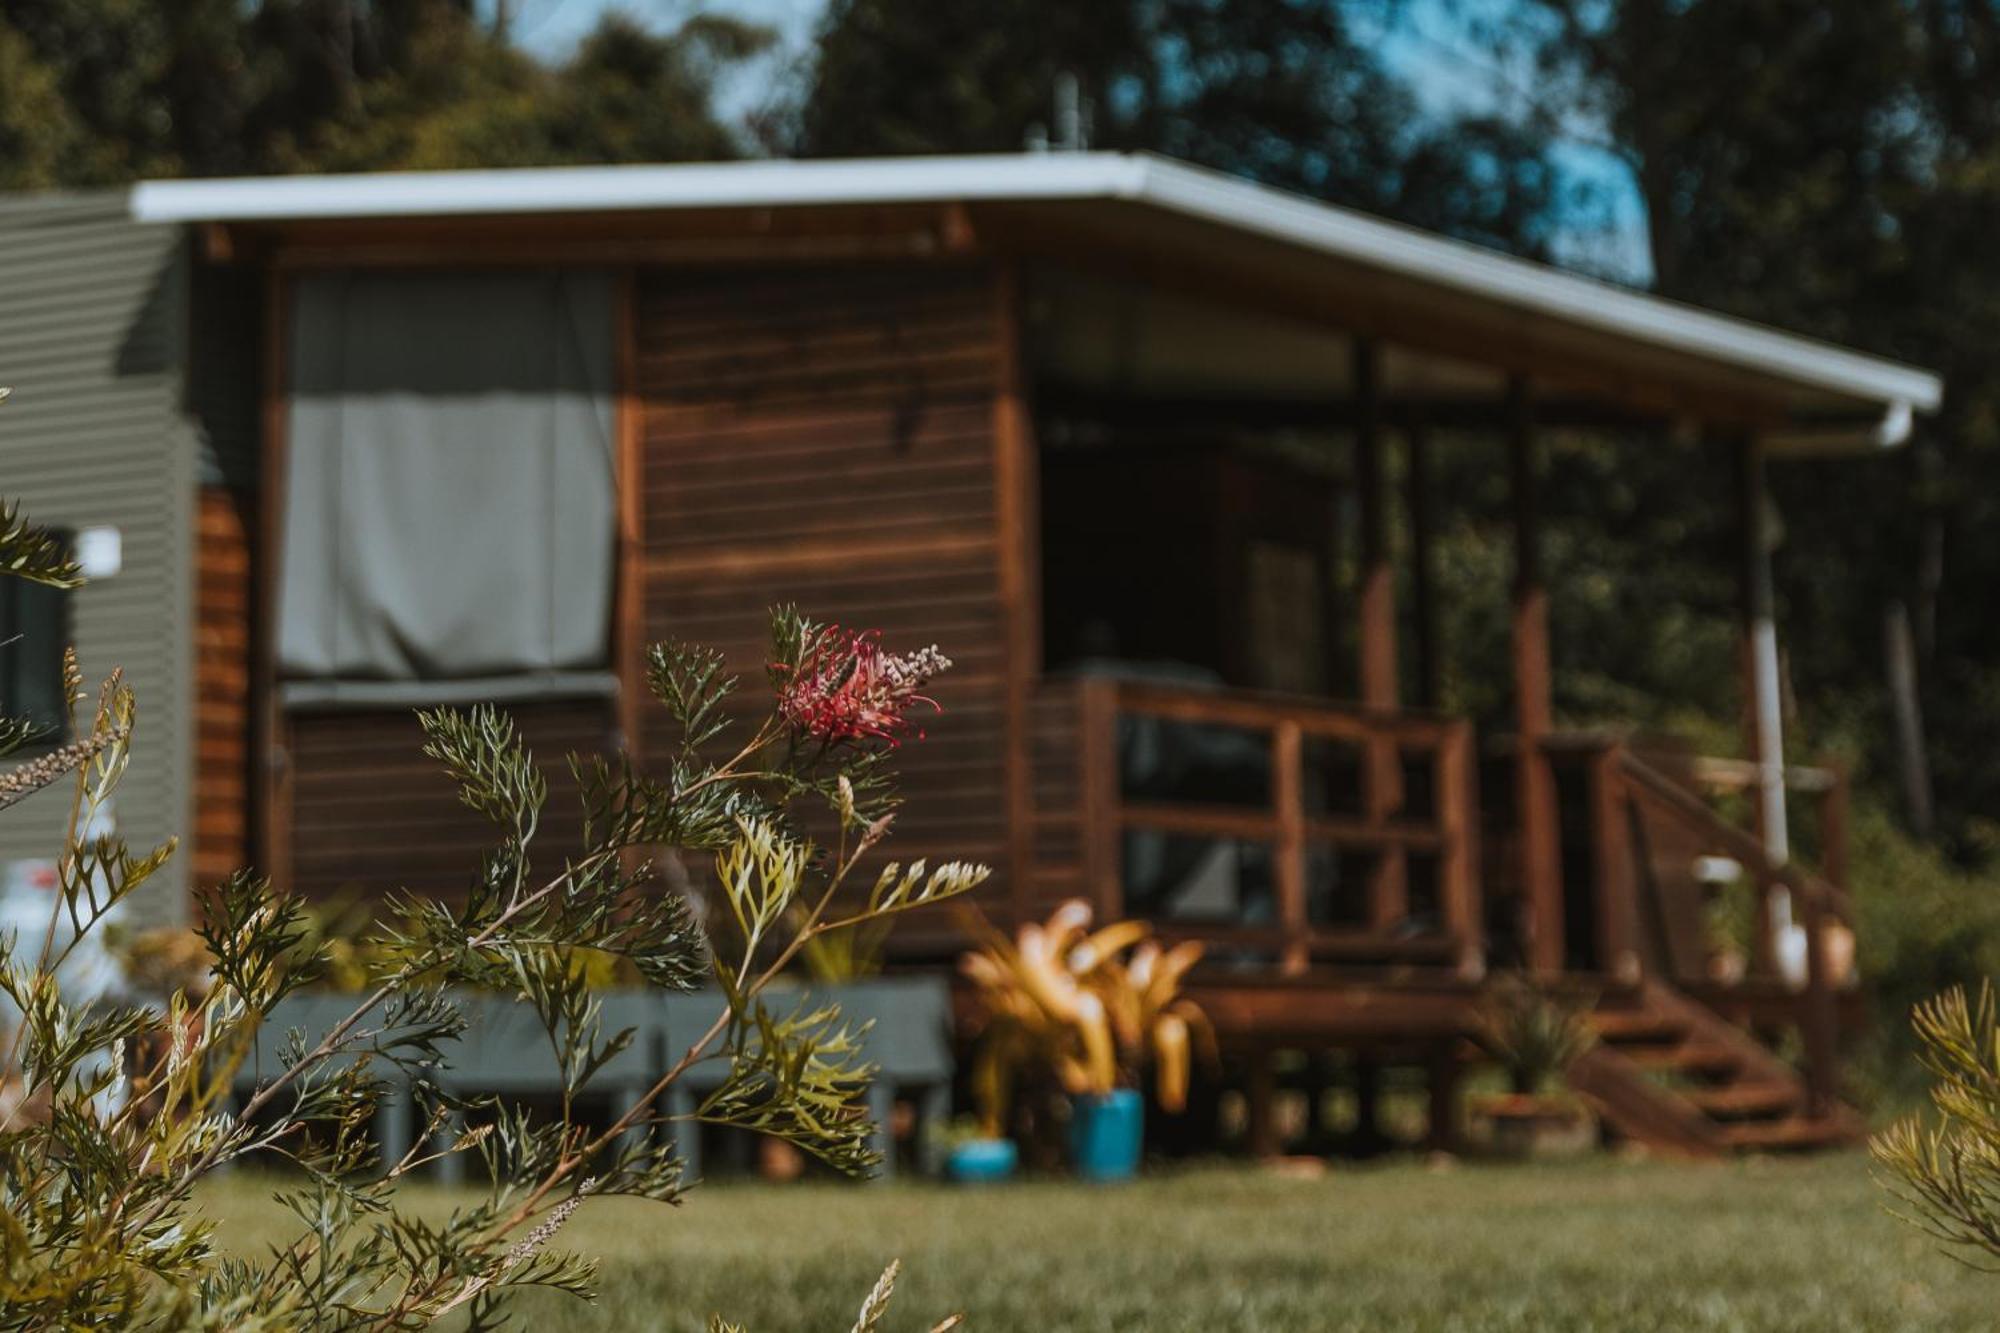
(1766, 700)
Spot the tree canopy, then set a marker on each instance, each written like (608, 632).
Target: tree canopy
(1829, 168)
(1281, 91)
(1835, 170)
(99, 91)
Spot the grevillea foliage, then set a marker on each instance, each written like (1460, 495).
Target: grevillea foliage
(114, 1112)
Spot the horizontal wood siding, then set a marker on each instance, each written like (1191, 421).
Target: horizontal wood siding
(222, 686)
(372, 813)
(1056, 717)
(826, 437)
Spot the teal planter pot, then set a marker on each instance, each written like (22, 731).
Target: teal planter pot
(1106, 1134)
(982, 1161)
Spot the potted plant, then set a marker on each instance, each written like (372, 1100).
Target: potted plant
(1090, 1008)
(1536, 1035)
(974, 1154)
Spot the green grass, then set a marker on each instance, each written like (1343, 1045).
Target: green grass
(1760, 1245)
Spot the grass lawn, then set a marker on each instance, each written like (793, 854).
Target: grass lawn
(1598, 1245)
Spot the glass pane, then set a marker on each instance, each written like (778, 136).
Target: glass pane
(1337, 886)
(1419, 786)
(1177, 877)
(1335, 777)
(34, 628)
(1197, 763)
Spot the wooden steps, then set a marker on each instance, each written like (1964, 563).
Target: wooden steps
(1747, 1100)
(1793, 1133)
(1691, 1058)
(1636, 1025)
(1678, 1077)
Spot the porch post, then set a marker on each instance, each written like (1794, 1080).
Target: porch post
(1423, 607)
(1378, 575)
(1018, 536)
(1535, 788)
(1764, 725)
(1388, 878)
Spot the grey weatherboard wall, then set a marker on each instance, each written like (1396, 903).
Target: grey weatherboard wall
(92, 341)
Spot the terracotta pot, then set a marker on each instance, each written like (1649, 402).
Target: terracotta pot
(1523, 1127)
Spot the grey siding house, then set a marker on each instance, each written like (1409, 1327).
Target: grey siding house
(94, 311)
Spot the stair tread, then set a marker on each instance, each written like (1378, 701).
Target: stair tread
(1747, 1098)
(1622, 1025)
(1686, 1057)
(1797, 1131)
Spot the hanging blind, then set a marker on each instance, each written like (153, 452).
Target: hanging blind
(449, 490)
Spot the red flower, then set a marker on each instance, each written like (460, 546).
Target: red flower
(846, 688)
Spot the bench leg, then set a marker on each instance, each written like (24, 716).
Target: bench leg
(451, 1165)
(623, 1100)
(393, 1122)
(686, 1132)
(933, 1110)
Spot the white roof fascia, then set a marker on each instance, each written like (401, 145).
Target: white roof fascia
(760, 184)
(1170, 186)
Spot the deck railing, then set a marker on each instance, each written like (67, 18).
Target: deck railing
(1627, 784)
(1379, 826)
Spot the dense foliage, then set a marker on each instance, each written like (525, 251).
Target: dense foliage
(114, 1112)
(1948, 1173)
(100, 91)
(1276, 90)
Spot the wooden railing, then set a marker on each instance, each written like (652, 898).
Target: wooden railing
(1825, 787)
(1624, 782)
(1381, 827)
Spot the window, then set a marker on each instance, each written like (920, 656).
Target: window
(34, 630)
(449, 519)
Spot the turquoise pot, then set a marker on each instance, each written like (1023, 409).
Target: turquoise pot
(1106, 1135)
(982, 1161)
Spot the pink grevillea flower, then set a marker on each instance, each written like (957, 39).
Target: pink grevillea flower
(846, 688)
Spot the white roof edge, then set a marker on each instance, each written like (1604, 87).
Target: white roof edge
(752, 184)
(1158, 182)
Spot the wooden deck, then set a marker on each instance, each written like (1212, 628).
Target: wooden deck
(1354, 915)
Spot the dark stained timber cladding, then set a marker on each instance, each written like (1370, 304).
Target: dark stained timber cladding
(826, 437)
(373, 814)
(222, 686)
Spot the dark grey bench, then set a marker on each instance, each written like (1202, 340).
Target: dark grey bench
(505, 1052)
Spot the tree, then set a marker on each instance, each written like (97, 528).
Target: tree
(102, 91)
(1280, 91)
(1836, 170)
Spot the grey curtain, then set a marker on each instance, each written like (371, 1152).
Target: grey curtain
(449, 493)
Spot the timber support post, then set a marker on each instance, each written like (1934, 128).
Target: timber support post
(1426, 667)
(1388, 879)
(1535, 786)
(1763, 694)
(1763, 723)
(1441, 1133)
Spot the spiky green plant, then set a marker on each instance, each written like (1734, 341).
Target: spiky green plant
(114, 1112)
(1947, 1172)
(1534, 1032)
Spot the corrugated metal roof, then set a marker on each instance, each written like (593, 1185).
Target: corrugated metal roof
(1152, 182)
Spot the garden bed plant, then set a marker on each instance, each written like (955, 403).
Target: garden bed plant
(115, 1113)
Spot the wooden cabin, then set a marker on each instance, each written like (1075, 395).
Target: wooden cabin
(1128, 438)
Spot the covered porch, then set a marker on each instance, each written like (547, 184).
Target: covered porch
(1238, 730)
